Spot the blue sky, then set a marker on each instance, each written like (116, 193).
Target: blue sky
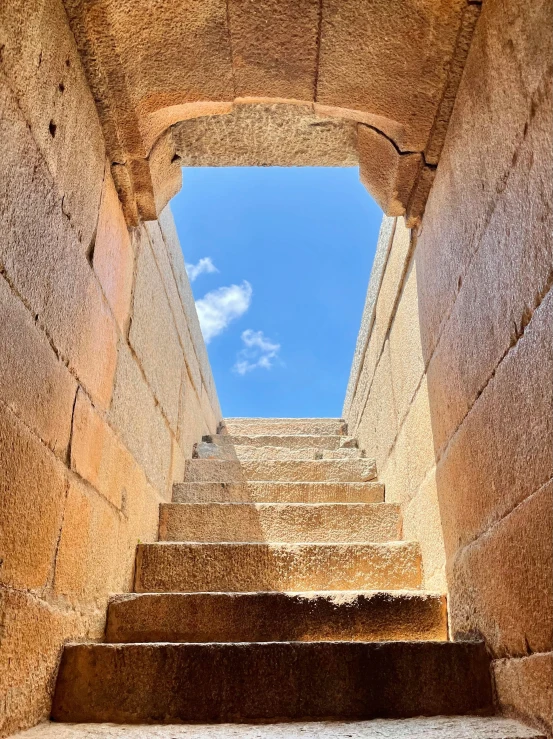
(292, 249)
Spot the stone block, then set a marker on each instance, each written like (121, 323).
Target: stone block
(506, 78)
(489, 465)
(181, 317)
(191, 425)
(262, 617)
(507, 278)
(42, 64)
(413, 456)
(524, 688)
(139, 421)
(265, 682)
(276, 59)
(421, 523)
(392, 283)
(33, 633)
(181, 54)
(113, 254)
(378, 423)
(174, 252)
(196, 567)
(87, 553)
(388, 175)
(153, 334)
(34, 383)
(279, 492)
(138, 523)
(42, 260)
(32, 496)
(278, 522)
(355, 39)
(98, 456)
(501, 586)
(406, 360)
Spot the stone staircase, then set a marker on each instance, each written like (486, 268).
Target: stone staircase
(280, 589)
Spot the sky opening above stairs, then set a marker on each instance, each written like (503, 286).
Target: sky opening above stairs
(279, 260)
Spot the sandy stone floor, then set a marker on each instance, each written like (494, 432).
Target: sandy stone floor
(418, 728)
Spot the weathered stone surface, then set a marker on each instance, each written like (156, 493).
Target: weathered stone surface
(113, 255)
(388, 175)
(279, 522)
(336, 470)
(181, 311)
(182, 54)
(413, 454)
(378, 425)
(88, 547)
(525, 688)
(166, 567)
(97, 455)
(406, 360)
(33, 489)
(486, 472)
(153, 334)
(141, 426)
(32, 635)
(276, 135)
(493, 590)
(264, 426)
(34, 383)
(355, 39)
(509, 61)
(454, 727)
(41, 257)
(506, 281)
(287, 441)
(44, 70)
(261, 617)
(279, 492)
(276, 58)
(174, 252)
(251, 453)
(421, 523)
(145, 682)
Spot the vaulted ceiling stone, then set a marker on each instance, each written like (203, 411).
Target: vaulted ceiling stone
(392, 67)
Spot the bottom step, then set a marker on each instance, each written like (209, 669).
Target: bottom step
(457, 727)
(262, 682)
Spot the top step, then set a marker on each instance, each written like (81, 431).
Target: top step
(312, 426)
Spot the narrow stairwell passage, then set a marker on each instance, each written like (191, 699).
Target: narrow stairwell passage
(280, 590)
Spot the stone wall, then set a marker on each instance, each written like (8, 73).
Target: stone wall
(104, 379)
(455, 388)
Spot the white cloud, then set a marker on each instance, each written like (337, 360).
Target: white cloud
(219, 307)
(258, 351)
(204, 266)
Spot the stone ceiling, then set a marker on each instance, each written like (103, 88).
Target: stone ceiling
(391, 67)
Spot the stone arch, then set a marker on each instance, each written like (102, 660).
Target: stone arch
(393, 69)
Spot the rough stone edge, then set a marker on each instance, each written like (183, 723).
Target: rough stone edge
(170, 236)
(383, 246)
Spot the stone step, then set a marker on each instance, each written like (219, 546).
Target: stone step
(200, 567)
(262, 617)
(244, 452)
(270, 681)
(279, 492)
(338, 470)
(422, 727)
(288, 441)
(280, 522)
(311, 426)
(251, 454)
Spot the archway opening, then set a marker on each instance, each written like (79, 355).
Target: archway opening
(279, 259)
